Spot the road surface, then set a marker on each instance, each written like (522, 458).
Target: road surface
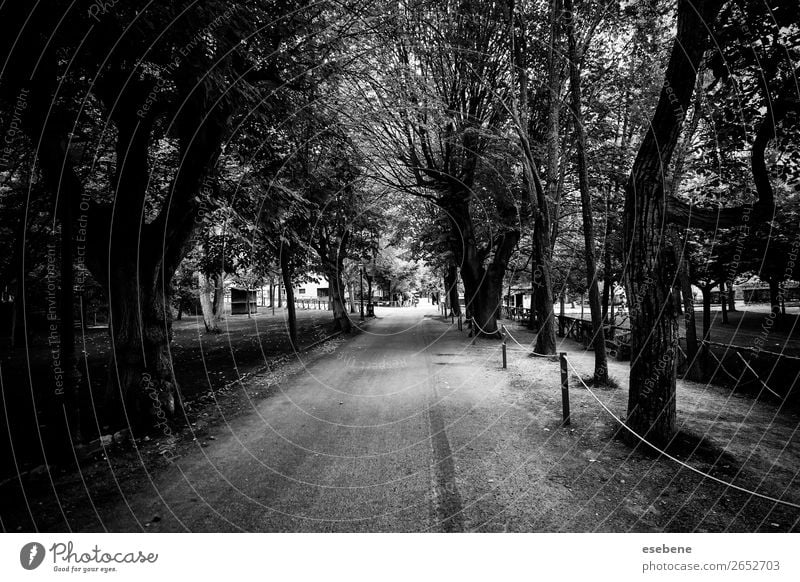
(359, 440)
(410, 427)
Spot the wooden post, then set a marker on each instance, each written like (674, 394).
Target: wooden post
(564, 389)
(459, 323)
(504, 348)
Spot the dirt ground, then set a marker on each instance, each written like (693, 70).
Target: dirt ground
(513, 466)
(750, 442)
(204, 364)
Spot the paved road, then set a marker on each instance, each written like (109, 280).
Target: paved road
(357, 441)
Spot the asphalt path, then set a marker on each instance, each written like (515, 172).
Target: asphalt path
(357, 440)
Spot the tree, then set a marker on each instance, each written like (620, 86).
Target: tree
(652, 268)
(598, 340)
(179, 87)
(540, 199)
(442, 88)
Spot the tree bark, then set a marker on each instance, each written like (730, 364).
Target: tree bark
(207, 286)
(598, 338)
(219, 296)
(690, 324)
(541, 253)
(331, 251)
(543, 294)
(492, 300)
(351, 297)
(723, 301)
(706, 289)
(16, 311)
(142, 377)
(546, 337)
(451, 288)
(532, 321)
(775, 295)
(341, 318)
(481, 295)
(60, 177)
(652, 266)
(606, 295)
(287, 276)
(142, 258)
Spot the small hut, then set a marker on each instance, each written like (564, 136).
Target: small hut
(243, 301)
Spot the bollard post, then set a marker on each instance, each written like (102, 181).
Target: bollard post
(459, 323)
(564, 389)
(504, 347)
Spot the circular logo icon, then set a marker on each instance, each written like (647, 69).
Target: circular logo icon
(31, 555)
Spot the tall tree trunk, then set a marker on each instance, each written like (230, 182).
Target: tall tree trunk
(532, 320)
(72, 375)
(690, 324)
(651, 265)
(541, 253)
(133, 259)
(775, 295)
(554, 82)
(351, 297)
(286, 275)
(606, 295)
(598, 339)
(546, 338)
(61, 178)
(451, 288)
(16, 311)
(723, 301)
(706, 289)
(206, 286)
(731, 297)
(543, 283)
(341, 318)
(478, 300)
(219, 296)
(492, 287)
(142, 378)
(331, 251)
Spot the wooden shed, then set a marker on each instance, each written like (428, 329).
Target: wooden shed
(240, 298)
